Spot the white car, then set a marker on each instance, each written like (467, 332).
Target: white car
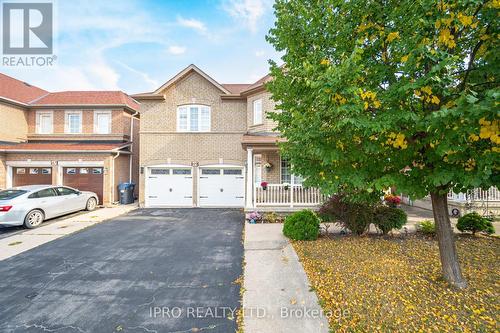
(32, 204)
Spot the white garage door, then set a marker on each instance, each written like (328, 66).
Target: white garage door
(221, 186)
(169, 186)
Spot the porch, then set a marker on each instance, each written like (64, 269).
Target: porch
(283, 191)
(484, 202)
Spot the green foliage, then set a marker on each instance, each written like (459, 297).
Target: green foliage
(427, 227)
(388, 218)
(302, 225)
(373, 88)
(474, 222)
(355, 216)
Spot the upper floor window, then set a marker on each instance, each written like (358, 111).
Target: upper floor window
(257, 112)
(193, 118)
(73, 122)
(44, 122)
(102, 122)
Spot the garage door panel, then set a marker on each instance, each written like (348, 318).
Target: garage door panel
(169, 187)
(221, 187)
(85, 179)
(31, 176)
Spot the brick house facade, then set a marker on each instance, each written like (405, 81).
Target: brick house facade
(88, 139)
(222, 164)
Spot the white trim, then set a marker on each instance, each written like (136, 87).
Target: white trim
(249, 198)
(187, 108)
(110, 124)
(22, 164)
(38, 127)
(66, 121)
(257, 121)
(81, 164)
(8, 181)
(29, 163)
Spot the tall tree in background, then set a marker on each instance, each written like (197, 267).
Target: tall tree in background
(382, 93)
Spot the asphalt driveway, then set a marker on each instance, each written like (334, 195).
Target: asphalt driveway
(153, 270)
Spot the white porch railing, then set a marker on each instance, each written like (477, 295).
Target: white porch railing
(491, 194)
(294, 195)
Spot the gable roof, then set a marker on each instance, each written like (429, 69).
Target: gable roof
(184, 73)
(19, 91)
(112, 98)
(236, 88)
(258, 84)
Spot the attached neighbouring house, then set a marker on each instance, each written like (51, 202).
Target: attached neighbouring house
(83, 139)
(206, 144)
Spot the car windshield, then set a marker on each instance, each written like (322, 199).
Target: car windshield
(10, 194)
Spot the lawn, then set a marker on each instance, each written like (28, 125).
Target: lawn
(394, 284)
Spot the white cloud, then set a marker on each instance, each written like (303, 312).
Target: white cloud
(259, 53)
(192, 24)
(153, 84)
(176, 49)
(249, 12)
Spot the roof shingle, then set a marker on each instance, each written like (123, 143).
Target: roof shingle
(19, 91)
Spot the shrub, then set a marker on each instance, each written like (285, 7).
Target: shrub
(355, 216)
(303, 225)
(427, 227)
(474, 222)
(272, 217)
(388, 218)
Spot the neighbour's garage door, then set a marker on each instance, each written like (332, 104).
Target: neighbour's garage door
(85, 179)
(31, 176)
(221, 186)
(169, 186)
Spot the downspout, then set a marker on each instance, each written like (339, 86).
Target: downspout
(113, 179)
(132, 146)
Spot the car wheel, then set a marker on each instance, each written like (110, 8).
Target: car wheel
(33, 219)
(91, 204)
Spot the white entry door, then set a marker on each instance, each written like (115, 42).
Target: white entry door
(169, 186)
(221, 186)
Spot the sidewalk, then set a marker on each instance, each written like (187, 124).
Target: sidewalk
(31, 238)
(276, 284)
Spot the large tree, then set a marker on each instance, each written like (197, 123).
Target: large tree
(386, 93)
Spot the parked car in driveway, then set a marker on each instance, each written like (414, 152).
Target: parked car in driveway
(32, 204)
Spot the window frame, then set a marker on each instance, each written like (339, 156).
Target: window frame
(187, 108)
(96, 118)
(67, 127)
(260, 119)
(38, 125)
(292, 176)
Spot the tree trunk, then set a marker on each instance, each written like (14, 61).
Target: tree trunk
(446, 242)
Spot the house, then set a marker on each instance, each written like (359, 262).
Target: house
(207, 144)
(83, 139)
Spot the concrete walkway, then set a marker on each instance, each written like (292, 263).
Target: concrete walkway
(31, 238)
(277, 298)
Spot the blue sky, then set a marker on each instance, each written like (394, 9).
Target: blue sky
(136, 45)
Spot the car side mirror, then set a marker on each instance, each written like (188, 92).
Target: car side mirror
(78, 193)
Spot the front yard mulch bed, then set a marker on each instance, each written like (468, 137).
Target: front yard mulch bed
(395, 284)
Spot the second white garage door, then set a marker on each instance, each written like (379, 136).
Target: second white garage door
(221, 186)
(169, 186)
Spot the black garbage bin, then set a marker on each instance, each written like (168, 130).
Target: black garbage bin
(126, 191)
